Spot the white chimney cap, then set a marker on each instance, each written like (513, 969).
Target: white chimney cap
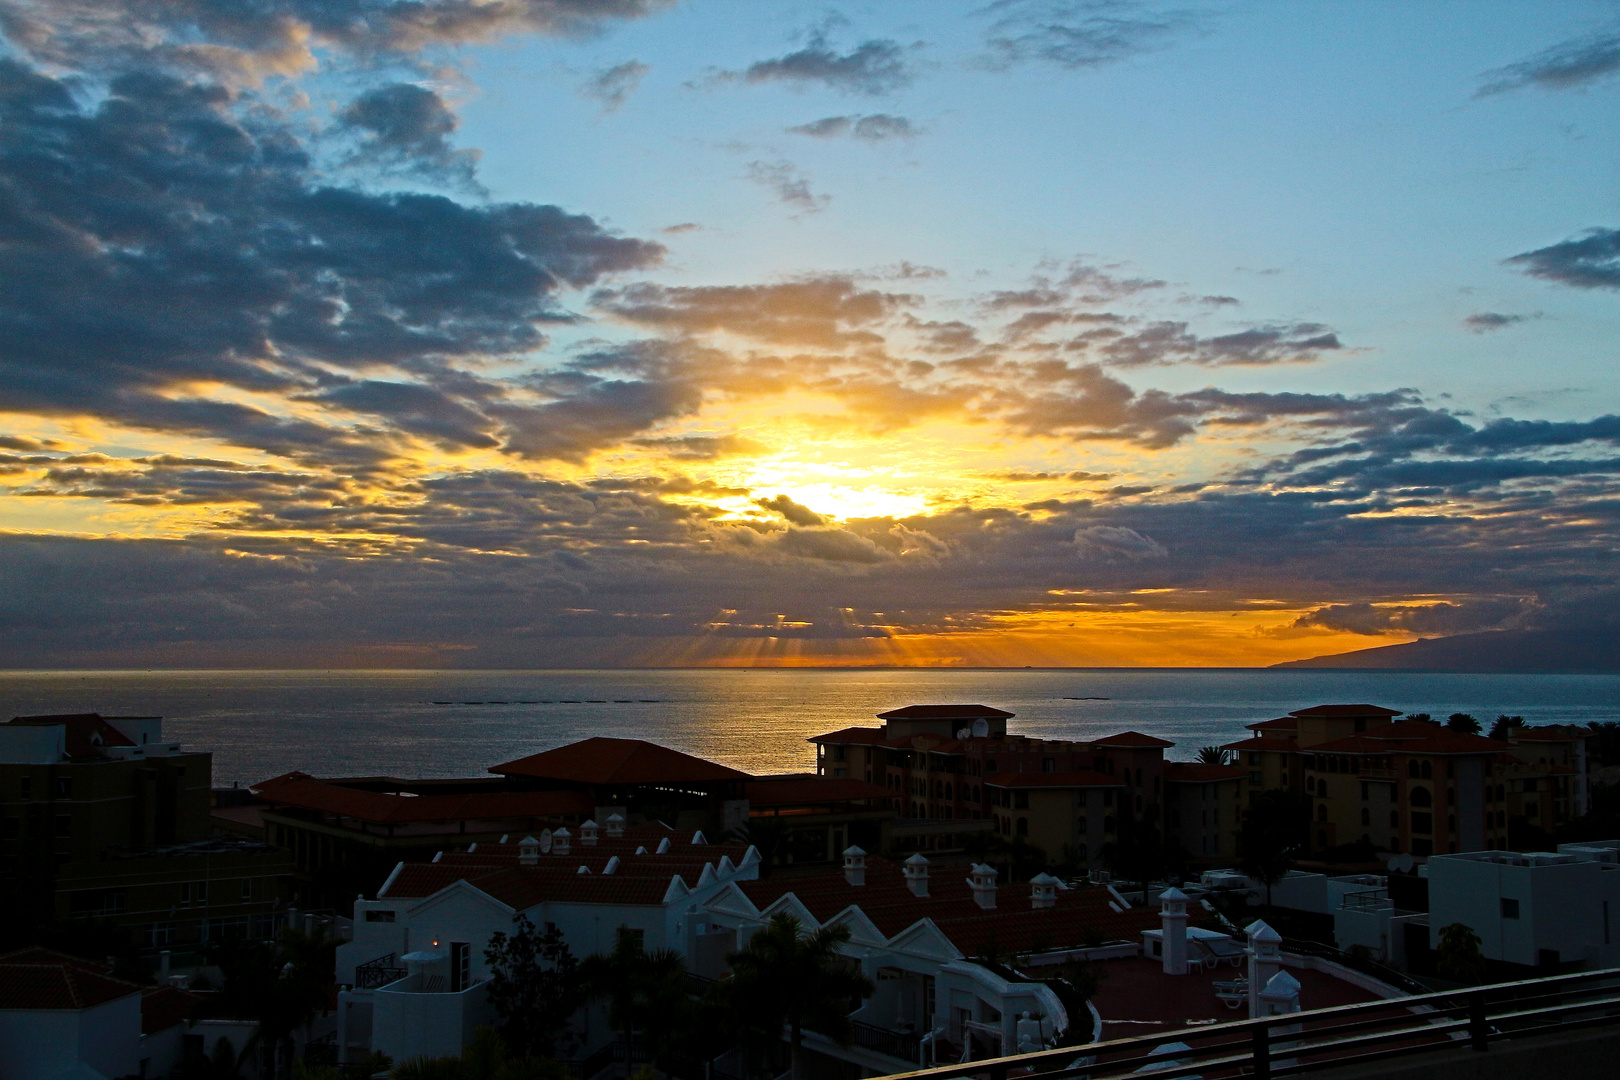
(1173, 893)
(583, 869)
(528, 841)
(853, 850)
(919, 859)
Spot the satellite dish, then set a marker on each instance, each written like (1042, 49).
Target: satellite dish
(545, 841)
(962, 733)
(981, 728)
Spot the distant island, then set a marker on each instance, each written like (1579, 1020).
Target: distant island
(1588, 649)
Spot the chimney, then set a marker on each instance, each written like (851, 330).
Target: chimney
(1043, 891)
(615, 825)
(559, 841)
(1280, 995)
(916, 870)
(983, 884)
(587, 833)
(1265, 960)
(854, 865)
(528, 851)
(1173, 928)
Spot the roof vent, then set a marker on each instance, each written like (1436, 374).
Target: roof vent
(1043, 891)
(615, 825)
(663, 846)
(697, 837)
(983, 883)
(528, 851)
(560, 841)
(504, 836)
(641, 850)
(916, 871)
(437, 855)
(588, 832)
(854, 865)
(583, 869)
(612, 865)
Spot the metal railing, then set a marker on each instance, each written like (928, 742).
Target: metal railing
(322, 1050)
(896, 1044)
(1364, 964)
(1292, 1044)
(378, 972)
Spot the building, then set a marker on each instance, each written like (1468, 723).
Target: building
(102, 818)
(415, 969)
(1411, 785)
(1535, 909)
(1071, 799)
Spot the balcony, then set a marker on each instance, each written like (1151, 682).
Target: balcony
(378, 972)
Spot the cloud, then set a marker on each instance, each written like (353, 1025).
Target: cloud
(1566, 66)
(876, 127)
(703, 447)
(873, 67)
(612, 87)
(407, 127)
(1429, 620)
(830, 311)
(1484, 322)
(1112, 541)
(794, 512)
(792, 189)
(1079, 34)
(1590, 262)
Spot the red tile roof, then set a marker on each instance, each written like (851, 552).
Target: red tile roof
(86, 733)
(45, 979)
(1287, 746)
(1072, 778)
(860, 736)
(603, 760)
(639, 879)
(1282, 723)
(1080, 915)
(309, 793)
(1409, 737)
(1131, 739)
(800, 789)
(1345, 710)
(946, 712)
(1193, 772)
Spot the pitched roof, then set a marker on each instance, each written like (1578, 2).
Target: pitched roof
(869, 736)
(946, 712)
(1197, 772)
(603, 760)
(638, 879)
(1409, 737)
(1081, 914)
(798, 789)
(309, 793)
(86, 733)
(1072, 778)
(1274, 744)
(1345, 710)
(1282, 723)
(1131, 739)
(46, 979)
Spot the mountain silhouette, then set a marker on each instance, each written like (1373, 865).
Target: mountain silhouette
(1575, 649)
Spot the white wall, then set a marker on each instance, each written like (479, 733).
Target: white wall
(40, 1044)
(408, 1025)
(1561, 906)
(22, 744)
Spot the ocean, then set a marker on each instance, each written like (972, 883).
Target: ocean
(260, 724)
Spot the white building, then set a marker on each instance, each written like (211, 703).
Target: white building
(1532, 908)
(416, 967)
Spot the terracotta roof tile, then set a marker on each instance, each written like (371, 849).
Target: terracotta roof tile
(1282, 723)
(1409, 737)
(162, 1007)
(45, 979)
(1128, 739)
(309, 793)
(1193, 772)
(946, 712)
(1258, 743)
(1345, 710)
(797, 789)
(603, 760)
(859, 736)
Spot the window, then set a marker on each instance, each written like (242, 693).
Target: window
(1023, 826)
(202, 892)
(1428, 770)
(1366, 816)
(64, 825)
(1254, 757)
(185, 894)
(64, 787)
(379, 916)
(460, 966)
(247, 888)
(1321, 788)
(1364, 791)
(990, 766)
(1021, 800)
(1321, 812)
(1412, 769)
(1510, 908)
(1083, 826)
(1048, 765)
(1394, 819)
(94, 903)
(1421, 797)
(1530, 784)
(27, 787)
(159, 936)
(1422, 822)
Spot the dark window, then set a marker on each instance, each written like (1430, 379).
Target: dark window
(1422, 822)
(64, 787)
(64, 825)
(1394, 819)
(1364, 791)
(1108, 824)
(1510, 908)
(1412, 769)
(1021, 800)
(1023, 826)
(1254, 757)
(27, 787)
(1428, 770)
(1082, 826)
(8, 828)
(1421, 797)
(379, 916)
(247, 888)
(1366, 816)
(460, 966)
(1048, 765)
(990, 766)
(1321, 812)
(1530, 785)
(87, 903)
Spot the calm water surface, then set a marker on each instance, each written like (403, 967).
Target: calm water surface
(262, 723)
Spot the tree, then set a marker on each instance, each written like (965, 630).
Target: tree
(1421, 716)
(487, 1057)
(284, 986)
(1214, 755)
(785, 976)
(768, 836)
(645, 991)
(1461, 721)
(1505, 727)
(535, 986)
(1460, 958)
(1275, 829)
(1138, 852)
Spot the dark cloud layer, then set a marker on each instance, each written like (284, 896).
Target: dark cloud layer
(1079, 34)
(873, 67)
(1565, 66)
(1591, 261)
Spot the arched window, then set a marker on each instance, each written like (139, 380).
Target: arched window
(1366, 816)
(1321, 812)
(1394, 819)
(1321, 787)
(1412, 769)
(1421, 797)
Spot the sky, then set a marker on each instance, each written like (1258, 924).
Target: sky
(551, 333)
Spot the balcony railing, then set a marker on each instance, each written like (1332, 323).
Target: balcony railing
(378, 972)
(1294, 1044)
(893, 1043)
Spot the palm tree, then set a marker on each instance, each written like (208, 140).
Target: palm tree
(645, 991)
(1214, 755)
(785, 976)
